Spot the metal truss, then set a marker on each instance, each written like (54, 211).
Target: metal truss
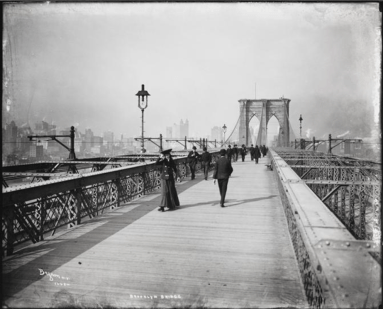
(350, 188)
(325, 248)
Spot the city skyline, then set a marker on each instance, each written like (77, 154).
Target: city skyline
(82, 64)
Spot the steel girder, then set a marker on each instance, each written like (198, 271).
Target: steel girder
(325, 248)
(349, 187)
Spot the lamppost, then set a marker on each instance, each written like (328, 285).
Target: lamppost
(142, 104)
(300, 120)
(224, 132)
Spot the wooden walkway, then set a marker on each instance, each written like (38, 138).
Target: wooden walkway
(199, 256)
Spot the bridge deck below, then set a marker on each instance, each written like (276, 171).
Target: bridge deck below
(200, 255)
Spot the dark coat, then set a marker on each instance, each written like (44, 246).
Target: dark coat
(229, 152)
(243, 151)
(193, 158)
(168, 188)
(206, 158)
(252, 150)
(223, 169)
(257, 152)
(235, 150)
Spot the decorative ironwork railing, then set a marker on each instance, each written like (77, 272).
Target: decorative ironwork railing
(31, 211)
(350, 188)
(338, 270)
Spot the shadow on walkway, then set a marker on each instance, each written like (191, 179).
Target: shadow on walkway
(57, 247)
(231, 201)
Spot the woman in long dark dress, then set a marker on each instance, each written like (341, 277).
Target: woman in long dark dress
(168, 189)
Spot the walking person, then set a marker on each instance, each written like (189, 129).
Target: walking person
(263, 150)
(229, 153)
(266, 149)
(193, 159)
(243, 152)
(235, 153)
(252, 152)
(222, 172)
(206, 160)
(257, 154)
(169, 197)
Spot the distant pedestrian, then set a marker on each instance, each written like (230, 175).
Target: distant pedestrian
(257, 154)
(222, 172)
(252, 152)
(193, 159)
(243, 152)
(235, 153)
(265, 150)
(206, 160)
(169, 197)
(229, 153)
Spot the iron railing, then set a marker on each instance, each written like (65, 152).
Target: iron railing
(337, 269)
(31, 211)
(350, 188)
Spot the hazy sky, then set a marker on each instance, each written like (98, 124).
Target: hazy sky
(82, 64)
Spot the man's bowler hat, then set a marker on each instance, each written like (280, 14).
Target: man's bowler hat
(222, 152)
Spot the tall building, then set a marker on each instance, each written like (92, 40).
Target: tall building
(181, 130)
(184, 128)
(88, 139)
(108, 140)
(216, 133)
(10, 138)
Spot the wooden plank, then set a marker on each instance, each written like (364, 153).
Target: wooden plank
(201, 254)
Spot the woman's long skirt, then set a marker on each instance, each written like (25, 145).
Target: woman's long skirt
(169, 194)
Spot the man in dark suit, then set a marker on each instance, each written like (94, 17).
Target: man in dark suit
(235, 153)
(257, 154)
(193, 159)
(243, 152)
(229, 153)
(222, 172)
(205, 159)
(252, 152)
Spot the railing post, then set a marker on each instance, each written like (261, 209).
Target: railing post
(9, 218)
(329, 143)
(72, 155)
(314, 143)
(215, 143)
(78, 206)
(160, 142)
(42, 217)
(185, 143)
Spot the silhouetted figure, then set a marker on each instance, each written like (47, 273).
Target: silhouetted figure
(235, 153)
(229, 153)
(252, 152)
(206, 160)
(193, 159)
(168, 189)
(222, 172)
(243, 152)
(257, 154)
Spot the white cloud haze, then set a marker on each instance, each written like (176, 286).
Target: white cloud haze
(83, 63)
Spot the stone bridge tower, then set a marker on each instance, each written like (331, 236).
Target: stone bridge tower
(264, 110)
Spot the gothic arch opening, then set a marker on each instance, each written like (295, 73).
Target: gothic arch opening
(254, 127)
(272, 132)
